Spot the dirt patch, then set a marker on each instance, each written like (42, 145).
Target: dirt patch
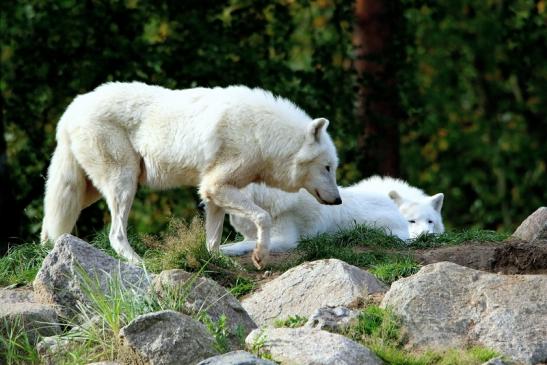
(508, 257)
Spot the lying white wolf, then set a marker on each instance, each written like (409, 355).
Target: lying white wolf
(220, 139)
(387, 203)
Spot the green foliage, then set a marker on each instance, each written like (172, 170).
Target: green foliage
(389, 272)
(242, 286)
(472, 82)
(15, 345)
(182, 246)
(21, 263)
(291, 322)
(380, 330)
(475, 88)
(458, 237)
(219, 330)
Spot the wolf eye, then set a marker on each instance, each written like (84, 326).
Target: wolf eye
(412, 221)
(328, 168)
(430, 221)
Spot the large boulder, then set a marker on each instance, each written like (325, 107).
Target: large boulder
(19, 307)
(236, 358)
(309, 286)
(74, 265)
(308, 346)
(165, 338)
(203, 294)
(534, 227)
(447, 305)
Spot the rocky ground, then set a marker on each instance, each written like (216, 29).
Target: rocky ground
(489, 295)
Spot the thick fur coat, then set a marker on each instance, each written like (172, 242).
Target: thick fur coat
(220, 139)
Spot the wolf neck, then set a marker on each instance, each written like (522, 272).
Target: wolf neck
(280, 159)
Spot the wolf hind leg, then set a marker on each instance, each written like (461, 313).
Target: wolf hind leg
(113, 168)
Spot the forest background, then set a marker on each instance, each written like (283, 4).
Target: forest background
(450, 95)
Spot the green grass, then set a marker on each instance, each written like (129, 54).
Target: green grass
(386, 256)
(16, 346)
(291, 322)
(390, 271)
(458, 237)
(242, 286)
(21, 263)
(183, 246)
(379, 330)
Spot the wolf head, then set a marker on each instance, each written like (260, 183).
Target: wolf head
(314, 166)
(423, 216)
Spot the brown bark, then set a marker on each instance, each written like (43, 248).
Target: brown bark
(376, 36)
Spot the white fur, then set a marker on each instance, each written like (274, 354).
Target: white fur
(297, 215)
(220, 139)
(422, 212)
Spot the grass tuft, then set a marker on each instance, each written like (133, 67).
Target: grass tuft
(380, 330)
(16, 346)
(291, 322)
(21, 263)
(183, 246)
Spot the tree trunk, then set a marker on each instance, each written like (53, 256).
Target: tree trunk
(379, 25)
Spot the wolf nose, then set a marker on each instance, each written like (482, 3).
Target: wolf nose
(338, 201)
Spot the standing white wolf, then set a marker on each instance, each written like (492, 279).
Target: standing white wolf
(220, 139)
(390, 204)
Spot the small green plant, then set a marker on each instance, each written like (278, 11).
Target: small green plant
(219, 330)
(258, 344)
(21, 263)
(291, 322)
(16, 346)
(242, 286)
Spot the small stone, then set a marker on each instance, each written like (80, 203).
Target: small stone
(333, 318)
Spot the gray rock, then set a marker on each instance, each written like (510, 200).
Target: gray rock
(447, 305)
(307, 346)
(333, 318)
(309, 286)
(499, 361)
(236, 358)
(165, 337)
(534, 227)
(50, 347)
(60, 280)
(203, 294)
(19, 307)
(104, 363)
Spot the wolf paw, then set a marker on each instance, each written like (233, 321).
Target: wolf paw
(259, 258)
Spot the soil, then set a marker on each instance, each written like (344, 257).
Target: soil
(511, 256)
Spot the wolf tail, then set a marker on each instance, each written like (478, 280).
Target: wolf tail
(65, 192)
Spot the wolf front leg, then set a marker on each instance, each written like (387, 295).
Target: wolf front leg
(234, 202)
(214, 222)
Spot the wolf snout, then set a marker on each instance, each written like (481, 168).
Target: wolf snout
(336, 201)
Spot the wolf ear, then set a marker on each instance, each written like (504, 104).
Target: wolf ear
(315, 128)
(437, 201)
(397, 199)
